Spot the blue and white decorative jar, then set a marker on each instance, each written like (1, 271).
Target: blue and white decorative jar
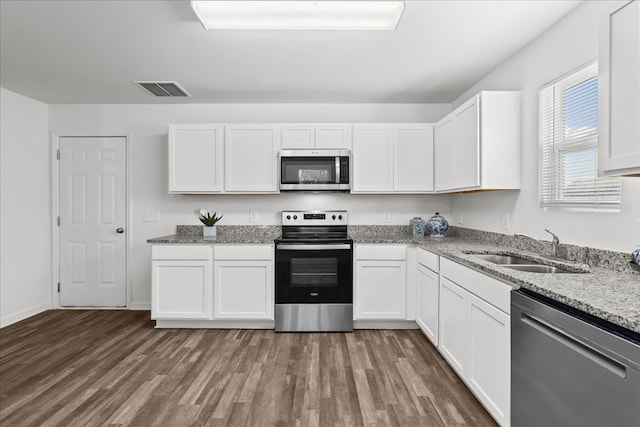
(437, 225)
(417, 226)
(636, 256)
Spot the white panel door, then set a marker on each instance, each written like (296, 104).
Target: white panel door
(196, 159)
(413, 158)
(489, 372)
(428, 284)
(372, 159)
(251, 158)
(181, 289)
(243, 290)
(380, 290)
(92, 219)
(454, 332)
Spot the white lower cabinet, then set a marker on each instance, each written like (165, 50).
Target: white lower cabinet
(427, 294)
(454, 323)
(207, 282)
(243, 289)
(381, 282)
(181, 282)
(475, 334)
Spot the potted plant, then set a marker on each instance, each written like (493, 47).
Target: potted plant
(209, 220)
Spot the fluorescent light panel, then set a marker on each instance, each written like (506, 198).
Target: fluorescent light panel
(298, 14)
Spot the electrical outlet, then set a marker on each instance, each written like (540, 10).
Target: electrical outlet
(253, 216)
(638, 228)
(460, 218)
(506, 221)
(151, 216)
(386, 217)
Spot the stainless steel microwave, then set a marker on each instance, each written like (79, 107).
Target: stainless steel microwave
(315, 170)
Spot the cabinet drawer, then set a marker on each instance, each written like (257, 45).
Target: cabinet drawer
(192, 252)
(428, 259)
(240, 252)
(386, 252)
(487, 288)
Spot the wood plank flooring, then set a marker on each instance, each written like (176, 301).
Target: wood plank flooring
(111, 368)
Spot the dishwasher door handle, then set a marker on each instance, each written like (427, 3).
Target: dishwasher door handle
(574, 344)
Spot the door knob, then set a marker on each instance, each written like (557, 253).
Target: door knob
(120, 230)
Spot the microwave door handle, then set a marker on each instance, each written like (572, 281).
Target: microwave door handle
(337, 169)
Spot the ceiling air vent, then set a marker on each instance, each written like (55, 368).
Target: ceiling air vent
(163, 88)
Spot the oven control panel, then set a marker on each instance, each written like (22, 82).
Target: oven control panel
(307, 218)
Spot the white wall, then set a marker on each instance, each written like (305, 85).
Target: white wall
(25, 214)
(147, 129)
(569, 44)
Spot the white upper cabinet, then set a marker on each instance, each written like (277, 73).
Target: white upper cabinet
(413, 158)
(478, 145)
(372, 159)
(251, 158)
(196, 158)
(619, 90)
(331, 136)
(392, 158)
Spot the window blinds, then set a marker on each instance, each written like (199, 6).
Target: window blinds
(568, 144)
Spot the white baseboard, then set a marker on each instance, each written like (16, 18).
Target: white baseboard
(139, 306)
(24, 314)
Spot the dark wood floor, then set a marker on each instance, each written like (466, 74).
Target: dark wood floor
(93, 367)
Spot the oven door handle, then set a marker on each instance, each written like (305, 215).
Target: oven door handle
(305, 247)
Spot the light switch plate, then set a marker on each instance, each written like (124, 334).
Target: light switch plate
(460, 218)
(253, 216)
(151, 216)
(386, 217)
(506, 221)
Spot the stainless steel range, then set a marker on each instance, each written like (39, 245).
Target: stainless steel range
(314, 273)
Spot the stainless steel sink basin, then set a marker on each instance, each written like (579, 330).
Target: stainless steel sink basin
(547, 269)
(505, 259)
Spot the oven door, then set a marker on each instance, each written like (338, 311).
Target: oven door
(308, 273)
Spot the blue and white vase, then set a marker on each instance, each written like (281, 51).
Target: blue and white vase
(636, 256)
(437, 225)
(417, 226)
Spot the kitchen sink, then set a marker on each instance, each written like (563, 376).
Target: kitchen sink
(505, 259)
(538, 268)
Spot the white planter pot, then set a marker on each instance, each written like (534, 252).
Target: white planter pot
(209, 231)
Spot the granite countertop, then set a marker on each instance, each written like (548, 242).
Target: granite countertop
(611, 293)
(610, 290)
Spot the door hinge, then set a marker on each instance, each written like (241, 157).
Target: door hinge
(58, 221)
(58, 287)
(58, 154)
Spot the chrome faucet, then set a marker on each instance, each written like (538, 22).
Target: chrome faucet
(555, 242)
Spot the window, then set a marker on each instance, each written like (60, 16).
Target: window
(569, 144)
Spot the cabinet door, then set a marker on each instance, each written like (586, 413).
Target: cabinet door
(195, 158)
(428, 290)
(298, 136)
(489, 368)
(333, 136)
(467, 146)
(372, 159)
(619, 90)
(444, 155)
(181, 289)
(413, 158)
(380, 290)
(454, 332)
(243, 290)
(251, 158)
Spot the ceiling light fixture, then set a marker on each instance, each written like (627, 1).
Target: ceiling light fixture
(298, 14)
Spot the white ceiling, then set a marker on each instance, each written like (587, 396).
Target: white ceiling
(78, 51)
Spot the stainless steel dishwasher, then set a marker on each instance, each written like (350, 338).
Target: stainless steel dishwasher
(569, 368)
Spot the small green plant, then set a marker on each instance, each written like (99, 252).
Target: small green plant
(209, 219)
